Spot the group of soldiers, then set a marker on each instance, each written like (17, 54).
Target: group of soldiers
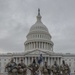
(21, 69)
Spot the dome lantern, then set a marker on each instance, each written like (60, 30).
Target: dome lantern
(38, 16)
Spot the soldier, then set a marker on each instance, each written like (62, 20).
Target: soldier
(34, 67)
(55, 69)
(64, 69)
(22, 69)
(11, 67)
(46, 69)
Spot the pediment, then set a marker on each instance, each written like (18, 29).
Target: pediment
(43, 52)
(37, 52)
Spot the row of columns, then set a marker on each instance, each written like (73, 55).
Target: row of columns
(28, 60)
(41, 45)
(39, 36)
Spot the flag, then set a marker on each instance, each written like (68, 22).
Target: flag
(40, 59)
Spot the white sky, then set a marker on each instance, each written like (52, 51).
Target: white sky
(17, 16)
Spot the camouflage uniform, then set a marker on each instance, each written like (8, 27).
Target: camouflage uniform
(22, 69)
(34, 68)
(64, 69)
(11, 68)
(55, 69)
(46, 69)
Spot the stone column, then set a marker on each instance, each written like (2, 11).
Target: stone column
(26, 46)
(59, 60)
(52, 48)
(52, 61)
(34, 44)
(48, 61)
(55, 59)
(16, 60)
(42, 45)
(19, 60)
(29, 46)
(47, 46)
(26, 60)
(39, 44)
(45, 58)
(29, 60)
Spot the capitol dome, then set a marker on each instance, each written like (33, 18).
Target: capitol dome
(38, 26)
(39, 36)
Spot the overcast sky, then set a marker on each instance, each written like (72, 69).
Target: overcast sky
(17, 16)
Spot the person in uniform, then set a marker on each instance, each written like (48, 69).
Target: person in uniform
(11, 67)
(64, 69)
(22, 69)
(55, 69)
(46, 69)
(34, 67)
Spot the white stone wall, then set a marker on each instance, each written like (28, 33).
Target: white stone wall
(4, 59)
(69, 59)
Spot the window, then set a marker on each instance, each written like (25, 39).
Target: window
(38, 35)
(69, 59)
(4, 59)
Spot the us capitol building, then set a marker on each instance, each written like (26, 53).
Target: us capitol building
(38, 42)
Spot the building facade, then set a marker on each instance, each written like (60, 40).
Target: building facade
(38, 42)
